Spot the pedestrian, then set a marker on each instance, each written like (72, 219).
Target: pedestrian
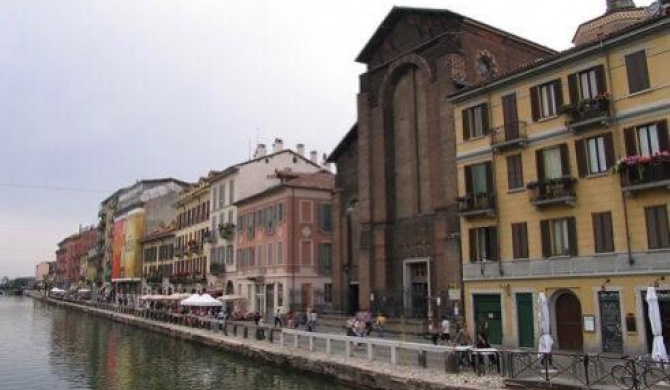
(367, 317)
(446, 331)
(380, 322)
(433, 330)
(277, 316)
(312, 321)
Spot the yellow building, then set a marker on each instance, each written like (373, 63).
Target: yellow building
(193, 237)
(563, 176)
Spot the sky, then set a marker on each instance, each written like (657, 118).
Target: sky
(96, 95)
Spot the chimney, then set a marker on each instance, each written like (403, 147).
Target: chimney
(300, 149)
(278, 145)
(312, 156)
(260, 151)
(324, 162)
(619, 5)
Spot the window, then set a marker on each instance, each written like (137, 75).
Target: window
(231, 192)
(658, 233)
(306, 252)
(325, 217)
(647, 139)
(514, 172)
(259, 255)
(325, 259)
(280, 294)
(596, 151)
(328, 293)
(270, 253)
(587, 84)
(478, 179)
(215, 197)
(559, 237)
(230, 260)
(636, 69)
(594, 155)
(545, 100)
(552, 162)
(280, 253)
(603, 235)
(520, 240)
(483, 244)
(475, 121)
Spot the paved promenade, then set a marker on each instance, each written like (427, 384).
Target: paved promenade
(377, 366)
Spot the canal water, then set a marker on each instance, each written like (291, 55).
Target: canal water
(47, 347)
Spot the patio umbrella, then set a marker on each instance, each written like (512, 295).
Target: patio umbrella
(546, 341)
(658, 352)
(204, 300)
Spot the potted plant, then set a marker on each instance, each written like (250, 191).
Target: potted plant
(227, 230)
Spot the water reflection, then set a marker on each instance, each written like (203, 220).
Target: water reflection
(66, 349)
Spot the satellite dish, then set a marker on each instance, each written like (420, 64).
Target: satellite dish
(654, 8)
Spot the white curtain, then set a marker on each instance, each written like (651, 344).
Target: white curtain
(658, 352)
(546, 341)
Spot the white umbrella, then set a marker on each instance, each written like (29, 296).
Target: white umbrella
(658, 352)
(546, 341)
(204, 300)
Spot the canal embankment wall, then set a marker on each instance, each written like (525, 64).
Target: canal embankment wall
(352, 371)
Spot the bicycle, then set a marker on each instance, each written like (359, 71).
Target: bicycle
(630, 375)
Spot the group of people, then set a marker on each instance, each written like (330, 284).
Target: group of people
(362, 324)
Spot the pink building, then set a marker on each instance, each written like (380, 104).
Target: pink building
(284, 245)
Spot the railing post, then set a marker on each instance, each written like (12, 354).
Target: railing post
(347, 349)
(370, 354)
(311, 343)
(586, 369)
(328, 345)
(295, 340)
(423, 359)
(394, 355)
(281, 339)
(245, 333)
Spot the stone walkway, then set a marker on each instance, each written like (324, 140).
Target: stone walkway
(353, 370)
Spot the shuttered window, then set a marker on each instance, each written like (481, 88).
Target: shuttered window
(479, 179)
(325, 259)
(483, 244)
(658, 232)
(646, 139)
(325, 217)
(594, 155)
(514, 172)
(475, 121)
(603, 235)
(559, 237)
(636, 69)
(587, 84)
(546, 99)
(520, 240)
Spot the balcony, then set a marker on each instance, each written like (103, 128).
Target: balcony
(509, 136)
(588, 114)
(477, 205)
(556, 191)
(641, 173)
(178, 251)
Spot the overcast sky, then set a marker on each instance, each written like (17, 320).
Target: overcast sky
(98, 94)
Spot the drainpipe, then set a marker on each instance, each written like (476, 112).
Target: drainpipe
(629, 251)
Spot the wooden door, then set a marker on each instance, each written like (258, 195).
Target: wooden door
(525, 319)
(569, 323)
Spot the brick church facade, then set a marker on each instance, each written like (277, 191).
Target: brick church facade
(396, 226)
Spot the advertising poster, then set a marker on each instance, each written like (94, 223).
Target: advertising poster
(131, 265)
(117, 248)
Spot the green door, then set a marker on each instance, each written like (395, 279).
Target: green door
(488, 315)
(525, 319)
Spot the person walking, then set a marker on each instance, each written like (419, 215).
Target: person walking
(277, 316)
(367, 317)
(311, 321)
(380, 322)
(445, 336)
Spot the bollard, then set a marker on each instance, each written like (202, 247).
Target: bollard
(422, 359)
(245, 334)
(234, 329)
(271, 336)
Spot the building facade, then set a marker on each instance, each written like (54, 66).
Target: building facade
(284, 245)
(563, 178)
(241, 181)
(396, 227)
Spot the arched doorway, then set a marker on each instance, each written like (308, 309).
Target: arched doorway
(569, 322)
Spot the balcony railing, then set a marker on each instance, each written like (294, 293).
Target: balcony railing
(549, 192)
(509, 136)
(588, 113)
(644, 173)
(474, 205)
